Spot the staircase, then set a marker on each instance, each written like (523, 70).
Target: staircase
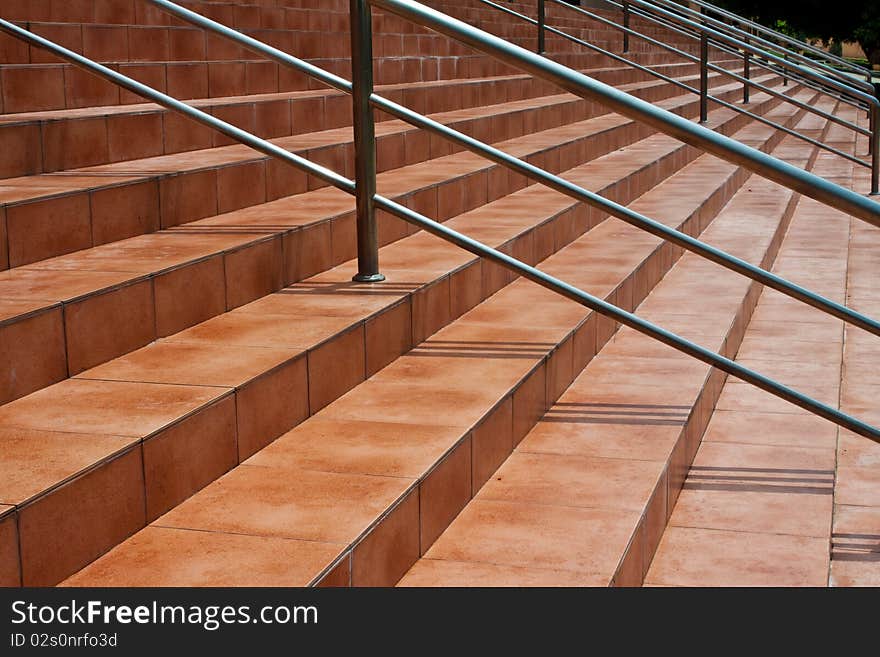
(193, 392)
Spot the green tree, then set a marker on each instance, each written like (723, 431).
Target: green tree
(844, 20)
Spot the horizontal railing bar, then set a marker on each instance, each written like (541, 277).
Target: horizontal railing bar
(791, 75)
(784, 37)
(792, 132)
(691, 133)
(550, 180)
(598, 49)
(477, 248)
(810, 84)
(729, 49)
(719, 69)
(631, 320)
(645, 9)
(756, 60)
(758, 40)
(749, 47)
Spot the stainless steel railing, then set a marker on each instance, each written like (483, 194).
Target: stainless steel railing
(360, 15)
(705, 67)
(645, 9)
(832, 60)
(749, 48)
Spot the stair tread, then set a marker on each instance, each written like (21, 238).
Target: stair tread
(402, 394)
(606, 445)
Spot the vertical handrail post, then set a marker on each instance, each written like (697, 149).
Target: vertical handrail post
(541, 22)
(704, 78)
(874, 148)
(364, 142)
(747, 73)
(626, 25)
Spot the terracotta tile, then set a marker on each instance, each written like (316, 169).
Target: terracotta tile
(445, 573)
(241, 186)
(92, 332)
(226, 79)
(574, 481)
(187, 197)
(63, 531)
(390, 549)
(253, 271)
(186, 456)
(529, 403)
(587, 541)
(22, 154)
(10, 567)
(4, 242)
(770, 429)
(36, 461)
(158, 556)
(430, 309)
(34, 353)
(855, 546)
(319, 506)
(272, 119)
(307, 251)
(413, 404)
(187, 80)
(492, 443)
(560, 372)
(106, 407)
(708, 557)
(200, 364)
(47, 228)
(392, 449)
(134, 136)
(188, 295)
(82, 89)
(270, 405)
(28, 89)
(388, 335)
(631, 570)
(769, 502)
(335, 367)
(858, 486)
(444, 493)
(183, 134)
(465, 289)
(124, 211)
(339, 576)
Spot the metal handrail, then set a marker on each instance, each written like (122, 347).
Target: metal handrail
(703, 92)
(766, 44)
(704, 32)
(861, 70)
(522, 167)
(477, 248)
(748, 58)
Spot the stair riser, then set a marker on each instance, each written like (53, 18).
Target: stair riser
(40, 87)
(529, 400)
(37, 230)
(637, 560)
(36, 146)
(157, 305)
(186, 456)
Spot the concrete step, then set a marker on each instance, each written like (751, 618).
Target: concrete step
(584, 498)
(392, 511)
(770, 480)
(175, 278)
(101, 135)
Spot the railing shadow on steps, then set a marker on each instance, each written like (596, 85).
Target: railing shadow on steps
(368, 200)
(708, 32)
